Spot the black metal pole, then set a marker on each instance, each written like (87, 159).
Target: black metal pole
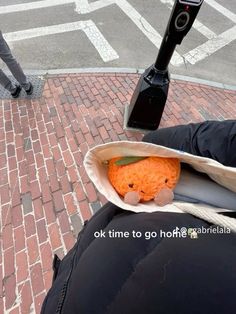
(165, 53)
(149, 98)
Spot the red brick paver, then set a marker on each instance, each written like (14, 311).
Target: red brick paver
(45, 193)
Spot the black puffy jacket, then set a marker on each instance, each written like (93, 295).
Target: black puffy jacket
(152, 274)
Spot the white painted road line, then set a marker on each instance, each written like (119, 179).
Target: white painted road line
(106, 52)
(83, 6)
(211, 46)
(100, 43)
(201, 28)
(204, 30)
(135, 17)
(227, 13)
(140, 22)
(96, 5)
(32, 5)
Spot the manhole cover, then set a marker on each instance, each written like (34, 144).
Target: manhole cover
(38, 83)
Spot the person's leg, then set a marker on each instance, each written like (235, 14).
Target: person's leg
(8, 85)
(6, 82)
(13, 65)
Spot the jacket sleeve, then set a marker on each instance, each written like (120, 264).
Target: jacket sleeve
(212, 139)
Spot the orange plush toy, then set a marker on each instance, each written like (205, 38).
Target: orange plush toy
(140, 179)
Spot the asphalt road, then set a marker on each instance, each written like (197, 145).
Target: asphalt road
(56, 34)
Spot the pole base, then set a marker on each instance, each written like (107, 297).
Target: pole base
(130, 129)
(148, 101)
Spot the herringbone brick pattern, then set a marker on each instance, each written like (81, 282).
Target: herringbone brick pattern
(45, 192)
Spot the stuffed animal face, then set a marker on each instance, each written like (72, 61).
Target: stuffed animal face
(146, 179)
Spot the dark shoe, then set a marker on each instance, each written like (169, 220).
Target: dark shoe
(17, 91)
(29, 91)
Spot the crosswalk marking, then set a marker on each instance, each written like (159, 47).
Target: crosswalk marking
(32, 5)
(227, 13)
(104, 49)
(204, 30)
(83, 6)
(214, 43)
(201, 28)
(99, 4)
(211, 46)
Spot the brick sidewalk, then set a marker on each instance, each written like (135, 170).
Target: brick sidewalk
(45, 192)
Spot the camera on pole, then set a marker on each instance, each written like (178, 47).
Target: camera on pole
(149, 98)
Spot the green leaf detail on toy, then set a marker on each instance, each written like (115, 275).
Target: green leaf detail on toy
(128, 160)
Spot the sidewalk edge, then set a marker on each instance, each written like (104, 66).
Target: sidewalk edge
(129, 71)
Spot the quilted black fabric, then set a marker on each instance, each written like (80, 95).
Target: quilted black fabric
(144, 274)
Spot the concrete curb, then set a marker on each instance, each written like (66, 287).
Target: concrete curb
(128, 71)
(203, 82)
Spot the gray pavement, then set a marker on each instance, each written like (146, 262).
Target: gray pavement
(54, 34)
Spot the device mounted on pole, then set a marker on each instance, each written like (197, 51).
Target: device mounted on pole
(149, 98)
